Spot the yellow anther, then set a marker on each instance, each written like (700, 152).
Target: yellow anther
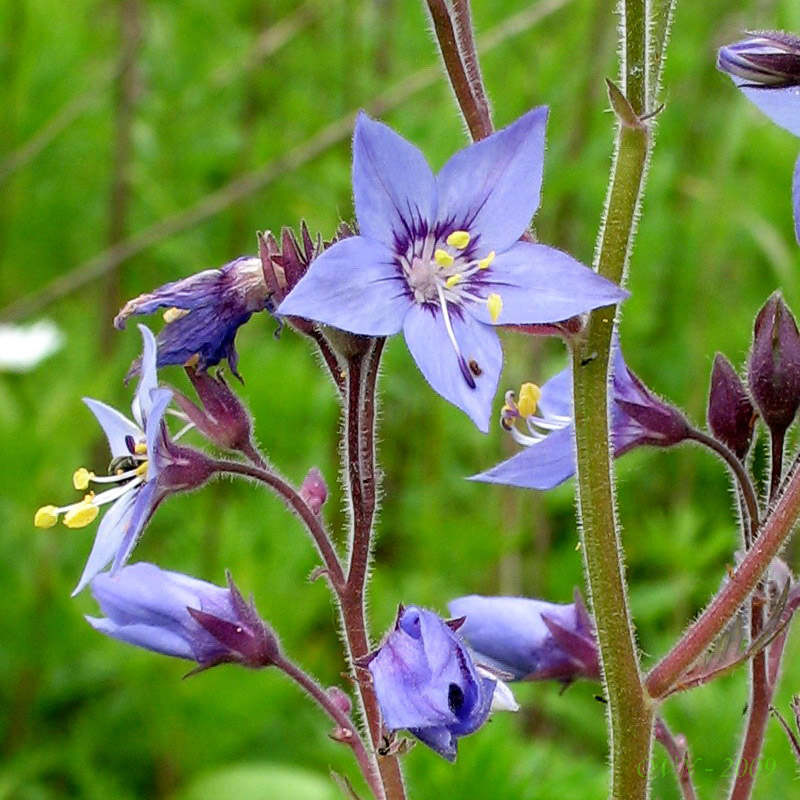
(458, 239)
(453, 280)
(529, 396)
(81, 478)
(142, 468)
(495, 305)
(81, 515)
(443, 258)
(192, 361)
(173, 314)
(140, 448)
(45, 517)
(485, 262)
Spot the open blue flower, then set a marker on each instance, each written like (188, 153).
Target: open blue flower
(427, 683)
(638, 418)
(766, 68)
(439, 257)
(530, 639)
(181, 616)
(146, 466)
(204, 313)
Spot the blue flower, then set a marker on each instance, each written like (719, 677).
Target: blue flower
(181, 616)
(530, 639)
(638, 418)
(766, 68)
(204, 313)
(427, 683)
(439, 258)
(146, 466)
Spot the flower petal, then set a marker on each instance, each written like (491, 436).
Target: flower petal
(115, 426)
(492, 188)
(439, 739)
(393, 186)
(353, 285)
(796, 198)
(556, 399)
(782, 106)
(541, 284)
(146, 502)
(542, 466)
(109, 536)
(430, 345)
(158, 639)
(148, 379)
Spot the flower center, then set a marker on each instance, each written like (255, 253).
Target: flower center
(523, 408)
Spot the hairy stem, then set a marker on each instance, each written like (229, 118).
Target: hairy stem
(342, 720)
(775, 531)
(679, 756)
(469, 53)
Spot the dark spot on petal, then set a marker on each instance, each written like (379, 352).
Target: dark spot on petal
(455, 697)
(475, 368)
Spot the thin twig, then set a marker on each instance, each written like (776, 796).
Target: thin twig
(678, 753)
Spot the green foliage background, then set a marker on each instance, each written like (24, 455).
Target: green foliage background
(85, 717)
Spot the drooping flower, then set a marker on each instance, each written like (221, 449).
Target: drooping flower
(766, 68)
(638, 418)
(181, 616)
(439, 257)
(146, 467)
(530, 639)
(204, 313)
(427, 683)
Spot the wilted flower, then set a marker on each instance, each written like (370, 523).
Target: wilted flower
(181, 616)
(731, 415)
(146, 467)
(427, 683)
(530, 639)
(638, 418)
(439, 257)
(766, 68)
(773, 371)
(204, 313)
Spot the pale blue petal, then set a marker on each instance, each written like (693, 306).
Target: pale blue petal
(541, 284)
(159, 640)
(556, 399)
(782, 106)
(355, 286)
(160, 399)
(439, 739)
(492, 188)
(115, 426)
(542, 466)
(148, 379)
(110, 534)
(145, 505)
(393, 186)
(796, 199)
(427, 339)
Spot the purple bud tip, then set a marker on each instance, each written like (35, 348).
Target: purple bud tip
(314, 490)
(769, 60)
(731, 415)
(774, 367)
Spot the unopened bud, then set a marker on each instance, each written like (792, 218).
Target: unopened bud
(314, 490)
(774, 367)
(770, 59)
(731, 415)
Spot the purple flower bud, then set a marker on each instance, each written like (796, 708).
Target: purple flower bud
(314, 490)
(731, 415)
(426, 682)
(181, 616)
(530, 639)
(223, 419)
(774, 367)
(204, 313)
(770, 59)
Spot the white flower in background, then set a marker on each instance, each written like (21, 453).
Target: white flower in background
(24, 347)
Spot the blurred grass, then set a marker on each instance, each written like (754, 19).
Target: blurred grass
(84, 717)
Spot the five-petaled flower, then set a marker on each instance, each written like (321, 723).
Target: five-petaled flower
(638, 418)
(530, 639)
(181, 616)
(204, 313)
(440, 257)
(427, 683)
(146, 467)
(766, 68)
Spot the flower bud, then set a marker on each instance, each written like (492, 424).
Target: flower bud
(731, 415)
(770, 59)
(314, 490)
(774, 368)
(222, 419)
